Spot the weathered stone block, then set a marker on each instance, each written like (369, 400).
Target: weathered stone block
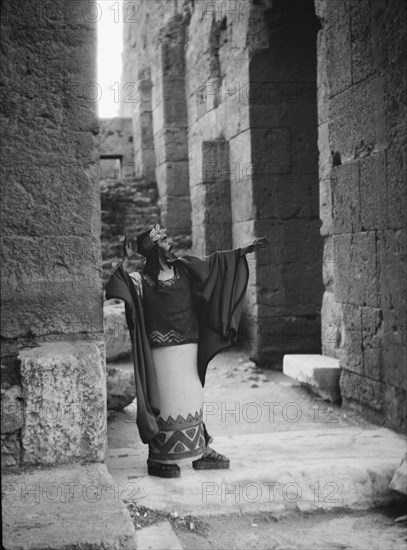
(10, 450)
(335, 11)
(116, 138)
(240, 148)
(197, 200)
(325, 208)
(11, 409)
(372, 335)
(48, 191)
(64, 390)
(392, 275)
(175, 113)
(173, 178)
(271, 289)
(170, 113)
(173, 89)
(117, 337)
(9, 369)
(352, 358)
(345, 196)
(172, 55)
(332, 327)
(338, 51)
(361, 40)
(281, 104)
(361, 392)
(171, 145)
(322, 79)
(395, 400)
(53, 284)
(399, 480)
(303, 286)
(157, 94)
(328, 267)
(358, 132)
(72, 506)
(304, 150)
(394, 353)
(355, 280)
(215, 156)
(176, 213)
(144, 89)
(319, 373)
(388, 24)
(280, 335)
(286, 196)
(271, 150)
(120, 386)
(373, 192)
(396, 187)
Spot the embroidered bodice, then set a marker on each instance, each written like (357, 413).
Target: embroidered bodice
(169, 311)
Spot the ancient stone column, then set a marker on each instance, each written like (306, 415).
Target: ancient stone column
(211, 210)
(144, 152)
(171, 130)
(51, 280)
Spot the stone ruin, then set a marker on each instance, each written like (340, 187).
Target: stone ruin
(269, 117)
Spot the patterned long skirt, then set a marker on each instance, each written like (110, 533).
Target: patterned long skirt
(180, 391)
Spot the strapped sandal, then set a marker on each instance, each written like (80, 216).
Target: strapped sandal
(211, 461)
(159, 469)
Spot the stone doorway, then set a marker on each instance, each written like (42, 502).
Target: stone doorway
(285, 180)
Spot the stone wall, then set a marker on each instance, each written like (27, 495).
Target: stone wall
(116, 141)
(128, 200)
(154, 64)
(268, 85)
(362, 116)
(51, 283)
(221, 92)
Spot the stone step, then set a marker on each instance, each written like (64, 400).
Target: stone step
(66, 508)
(158, 537)
(319, 373)
(303, 471)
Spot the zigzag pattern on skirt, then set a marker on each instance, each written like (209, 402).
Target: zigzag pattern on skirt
(180, 438)
(173, 337)
(180, 422)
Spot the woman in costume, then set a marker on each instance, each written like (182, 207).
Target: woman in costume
(180, 312)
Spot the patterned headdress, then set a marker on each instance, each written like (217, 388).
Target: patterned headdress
(147, 240)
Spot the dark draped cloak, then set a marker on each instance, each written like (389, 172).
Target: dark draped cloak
(219, 285)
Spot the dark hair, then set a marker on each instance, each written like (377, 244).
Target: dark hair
(152, 265)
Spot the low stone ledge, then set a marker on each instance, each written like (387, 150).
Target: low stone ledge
(11, 409)
(77, 506)
(120, 385)
(319, 373)
(117, 338)
(399, 480)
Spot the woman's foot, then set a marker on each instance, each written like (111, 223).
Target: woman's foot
(159, 469)
(211, 460)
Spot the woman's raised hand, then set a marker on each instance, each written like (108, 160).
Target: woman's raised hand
(259, 242)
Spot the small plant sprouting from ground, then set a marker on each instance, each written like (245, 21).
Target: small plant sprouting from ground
(144, 517)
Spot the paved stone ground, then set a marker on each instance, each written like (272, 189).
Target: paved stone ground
(290, 453)
(373, 530)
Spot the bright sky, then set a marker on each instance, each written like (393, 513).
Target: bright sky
(109, 60)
